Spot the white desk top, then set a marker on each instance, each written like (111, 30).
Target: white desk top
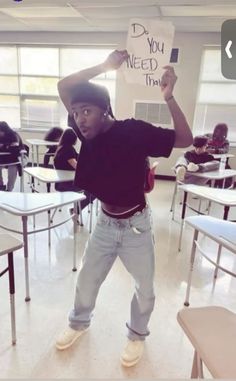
(50, 175)
(41, 142)
(26, 204)
(219, 155)
(8, 243)
(221, 196)
(215, 175)
(221, 231)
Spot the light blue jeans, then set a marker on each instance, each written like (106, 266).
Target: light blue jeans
(131, 240)
(12, 174)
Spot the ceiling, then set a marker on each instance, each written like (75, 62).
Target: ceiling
(112, 15)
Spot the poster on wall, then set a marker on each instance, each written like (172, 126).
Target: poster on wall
(149, 45)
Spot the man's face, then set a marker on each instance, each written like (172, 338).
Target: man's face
(200, 150)
(218, 133)
(89, 119)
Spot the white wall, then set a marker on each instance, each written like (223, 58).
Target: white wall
(191, 46)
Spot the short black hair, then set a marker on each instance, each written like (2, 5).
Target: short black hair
(223, 128)
(200, 141)
(68, 138)
(92, 93)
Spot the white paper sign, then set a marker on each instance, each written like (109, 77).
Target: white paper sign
(149, 45)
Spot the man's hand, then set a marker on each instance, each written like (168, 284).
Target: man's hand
(115, 60)
(168, 81)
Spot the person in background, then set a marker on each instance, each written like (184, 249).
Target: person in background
(66, 158)
(217, 142)
(111, 165)
(10, 147)
(192, 161)
(53, 135)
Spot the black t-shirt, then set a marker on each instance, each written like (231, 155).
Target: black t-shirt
(112, 165)
(10, 143)
(195, 158)
(62, 156)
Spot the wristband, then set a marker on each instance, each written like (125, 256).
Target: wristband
(171, 97)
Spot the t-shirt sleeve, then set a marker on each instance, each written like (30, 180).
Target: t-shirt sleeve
(156, 141)
(69, 153)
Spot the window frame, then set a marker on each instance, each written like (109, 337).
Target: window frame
(61, 109)
(203, 110)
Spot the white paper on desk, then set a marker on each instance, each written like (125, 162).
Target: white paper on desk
(149, 45)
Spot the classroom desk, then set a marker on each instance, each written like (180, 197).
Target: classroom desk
(213, 176)
(220, 231)
(220, 155)
(29, 204)
(49, 175)
(224, 197)
(35, 144)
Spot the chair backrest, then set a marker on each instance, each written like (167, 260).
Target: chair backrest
(212, 332)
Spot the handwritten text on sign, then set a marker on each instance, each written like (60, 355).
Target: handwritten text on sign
(149, 46)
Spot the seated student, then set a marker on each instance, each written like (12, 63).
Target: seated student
(217, 142)
(10, 147)
(53, 135)
(66, 158)
(195, 160)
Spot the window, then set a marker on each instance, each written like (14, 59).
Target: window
(28, 82)
(216, 98)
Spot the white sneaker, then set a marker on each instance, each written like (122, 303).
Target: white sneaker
(193, 167)
(180, 173)
(132, 353)
(68, 337)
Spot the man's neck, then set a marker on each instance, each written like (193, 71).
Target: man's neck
(108, 124)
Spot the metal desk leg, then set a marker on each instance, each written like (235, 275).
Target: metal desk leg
(25, 239)
(49, 228)
(80, 214)
(182, 218)
(226, 212)
(91, 217)
(37, 155)
(12, 296)
(32, 155)
(75, 217)
(225, 217)
(195, 237)
(217, 261)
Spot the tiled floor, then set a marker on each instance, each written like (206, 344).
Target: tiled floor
(168, 353)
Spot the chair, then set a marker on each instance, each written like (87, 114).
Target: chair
(8, 245)
(172, 208)
(212, 332)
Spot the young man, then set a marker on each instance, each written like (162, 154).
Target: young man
(111, 166)
(218, 142)
(195, 160)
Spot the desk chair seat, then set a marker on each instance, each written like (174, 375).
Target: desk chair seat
(212, 332)
(8, 244)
